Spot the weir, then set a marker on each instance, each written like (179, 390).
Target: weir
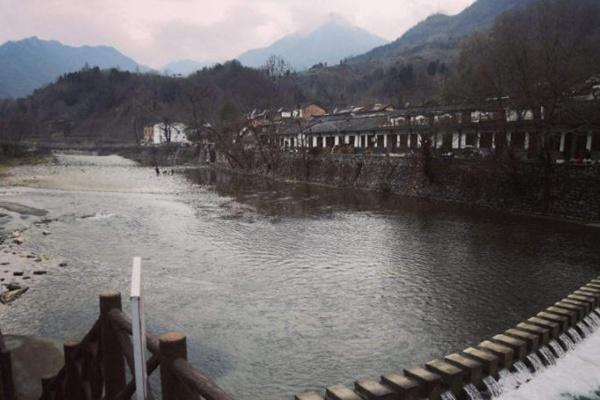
(494, 367)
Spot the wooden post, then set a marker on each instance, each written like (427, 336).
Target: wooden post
(172, 346)
(46, 380)
(73, 388)
(113, 363)
(7, 388)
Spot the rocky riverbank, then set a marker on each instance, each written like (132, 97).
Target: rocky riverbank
(21, 268)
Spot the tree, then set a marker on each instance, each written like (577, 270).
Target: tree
(276, 67)
(531, 60)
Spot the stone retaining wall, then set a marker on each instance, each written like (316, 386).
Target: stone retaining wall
(573, 190)
(474, 364)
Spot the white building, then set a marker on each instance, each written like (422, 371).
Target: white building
(169, 133)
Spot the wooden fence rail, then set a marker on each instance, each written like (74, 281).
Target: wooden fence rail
(95, 367)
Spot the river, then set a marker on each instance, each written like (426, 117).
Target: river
(284, 287)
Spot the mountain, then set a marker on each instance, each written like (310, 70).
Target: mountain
(443, 31)
(31, 63)
(185, 67)
(330, 43)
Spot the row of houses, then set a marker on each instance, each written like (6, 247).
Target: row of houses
(573, 135)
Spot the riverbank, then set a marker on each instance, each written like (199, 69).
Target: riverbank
(566, 192)
(21, 266)
(518, 189)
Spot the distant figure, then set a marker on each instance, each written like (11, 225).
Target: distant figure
(172, 171)
(157, 170)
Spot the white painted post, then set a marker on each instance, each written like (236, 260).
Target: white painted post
(588, 143)
(562, 142)
(314, 141)
(526, 146)
(138, 329)
(385, 141)
(337, 140)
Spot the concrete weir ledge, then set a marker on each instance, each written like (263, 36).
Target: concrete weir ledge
(474, 373)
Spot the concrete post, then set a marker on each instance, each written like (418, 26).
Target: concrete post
(562, 142)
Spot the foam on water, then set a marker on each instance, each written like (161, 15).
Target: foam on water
(576, 374)
(522, 373)
(508, 380)
(472, 392)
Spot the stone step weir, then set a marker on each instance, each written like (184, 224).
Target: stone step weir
(447, 377)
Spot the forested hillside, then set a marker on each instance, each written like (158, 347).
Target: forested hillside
(536, 54)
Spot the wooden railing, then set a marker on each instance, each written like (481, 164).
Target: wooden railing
(7, 386)
(95, 367)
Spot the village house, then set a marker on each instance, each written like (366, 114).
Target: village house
(166, 132)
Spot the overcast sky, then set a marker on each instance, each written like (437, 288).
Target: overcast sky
(155, 32)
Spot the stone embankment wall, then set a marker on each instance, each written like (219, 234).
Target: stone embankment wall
(567, 191)
(571, 318)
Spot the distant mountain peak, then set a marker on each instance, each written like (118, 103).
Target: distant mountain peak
(31, 63)
(329, 43)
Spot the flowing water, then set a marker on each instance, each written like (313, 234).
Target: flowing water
(557, 348)
(567, 342)
(472, 392)
(448, 396)
(575, 335)
(548, 356)
(492, 385)
(536, 362)
(522, 373)
(283, 287)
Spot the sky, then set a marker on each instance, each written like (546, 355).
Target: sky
(156, 32)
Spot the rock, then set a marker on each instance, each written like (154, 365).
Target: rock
(11, 295)
(12, 286)
(5, 263)
(45, 233)
(18, 273)
(63, 264)
(18, 240)
(31, 255)
(40, 272)
(25, 278)
(38, 260)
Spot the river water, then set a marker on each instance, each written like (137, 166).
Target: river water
(286, 287)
